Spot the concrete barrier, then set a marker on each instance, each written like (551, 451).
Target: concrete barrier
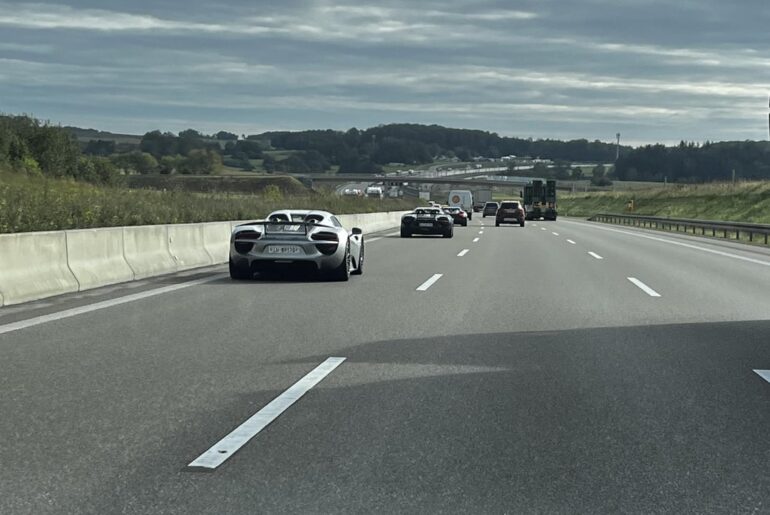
(96, 257)
(216, 240)
(186, 244)
(146, 250)
(34, 266)
(372, 222)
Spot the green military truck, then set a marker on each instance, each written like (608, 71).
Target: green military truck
(540, 200)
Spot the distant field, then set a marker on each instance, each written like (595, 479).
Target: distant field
(45, 204)
(244, 182)
(743, 202)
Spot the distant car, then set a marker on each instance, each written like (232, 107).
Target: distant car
(510, 212)
(478, 207)
(490, 209)
(296, 239)
(459, 217)
(427, 220)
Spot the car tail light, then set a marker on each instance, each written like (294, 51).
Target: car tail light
(463, 214)
(327, 249)
(244, 241)
(247, 235)
(325, 236)
(408, 219)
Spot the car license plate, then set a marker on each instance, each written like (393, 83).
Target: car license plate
(284, 249)
(426, 225)
(509, 219)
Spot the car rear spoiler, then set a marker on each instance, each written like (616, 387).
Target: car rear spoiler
(284, 227)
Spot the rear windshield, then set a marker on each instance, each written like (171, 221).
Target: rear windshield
(491, 204)
(509, 205)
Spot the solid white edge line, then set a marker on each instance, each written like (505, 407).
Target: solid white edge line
(764, 374)
(571, 242)
(430, 282)
(463, 252)
(67, 313)
(646, 289)
(595, 255)
(240, 436)
(475, 240)
(678, 243)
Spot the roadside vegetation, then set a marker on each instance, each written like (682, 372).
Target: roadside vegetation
(36, 203)
(740, 202)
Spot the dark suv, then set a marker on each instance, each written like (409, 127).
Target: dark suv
(510, 212)
(490, 209)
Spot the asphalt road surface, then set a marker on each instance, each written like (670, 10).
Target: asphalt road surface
(564, 367)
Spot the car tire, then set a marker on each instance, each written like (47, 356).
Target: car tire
(465, 223)
(360, 269)
(483, 216)
(448, 234)
(237, 273)
(342, 272)
(405, 233)
(497, 224)
(522, 223)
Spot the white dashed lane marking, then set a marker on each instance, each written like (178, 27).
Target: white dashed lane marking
(231, 443)
(595, 255)
(463, 252)
(430, 282)
(646, 289)
(571, 242)
(475, 240)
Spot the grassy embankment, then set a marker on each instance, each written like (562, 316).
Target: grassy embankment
(45, 204)
(742, 202)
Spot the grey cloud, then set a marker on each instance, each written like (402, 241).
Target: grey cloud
(658, 71)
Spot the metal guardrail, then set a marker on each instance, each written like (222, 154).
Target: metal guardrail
(717, 229)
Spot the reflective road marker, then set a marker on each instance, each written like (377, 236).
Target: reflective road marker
(230, 444)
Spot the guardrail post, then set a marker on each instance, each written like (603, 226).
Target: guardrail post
(751, 236)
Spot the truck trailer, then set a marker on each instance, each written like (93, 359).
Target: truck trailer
(540, 200)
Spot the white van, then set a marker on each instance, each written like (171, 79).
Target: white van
(462, 199)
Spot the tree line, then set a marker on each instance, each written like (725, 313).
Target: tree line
(359, 151)
(690, 162)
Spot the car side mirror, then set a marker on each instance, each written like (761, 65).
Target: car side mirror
(356, 231)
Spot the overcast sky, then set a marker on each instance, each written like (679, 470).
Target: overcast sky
(653, 70)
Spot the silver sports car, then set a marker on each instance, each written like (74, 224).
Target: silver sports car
(296, 239)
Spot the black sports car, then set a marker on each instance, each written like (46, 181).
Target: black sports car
(427, 220)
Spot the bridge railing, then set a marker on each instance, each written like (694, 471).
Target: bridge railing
(731, 230)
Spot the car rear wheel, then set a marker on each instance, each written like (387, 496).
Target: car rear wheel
(449, 233)
(521, 223)
(360, 269)
(238, 273)
(405, 233)
(342, 272)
